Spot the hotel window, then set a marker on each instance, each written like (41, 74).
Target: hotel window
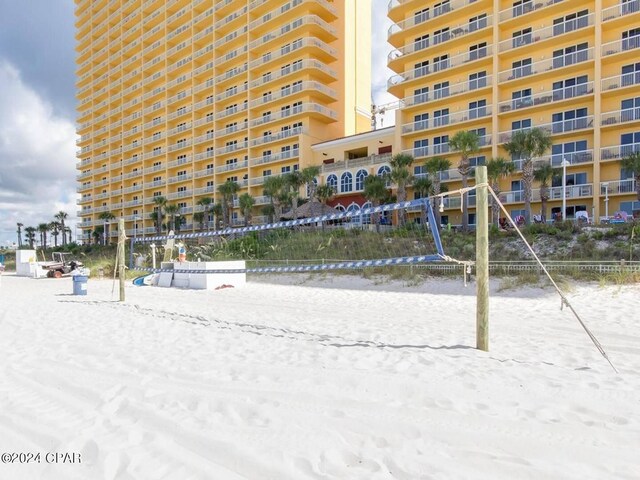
(630, 74)
(570, 55)
(521, 37)
(571, 87)
(521, 99)
(360, 176)
(478, 51)
(420, 122)
(478, 109)
(440, 36)
(441, 144)
(477, 80)
(521, 68)
(524, 124)
(569, 120)
(332, 181)
(574, 152)
(477, 22)
(422, 15)
(421, 95)
(571, 22)
(440, 63)
(421, 43)
(630, 109)
(521, 7)
(441, 90)
(631, 39)
(421, 147)
(421, 69)
(441, 117)
(346, 182)
(441, 8)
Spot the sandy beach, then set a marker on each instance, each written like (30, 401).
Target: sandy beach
(317, 378)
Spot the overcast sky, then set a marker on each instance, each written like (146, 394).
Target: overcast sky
(37, 108)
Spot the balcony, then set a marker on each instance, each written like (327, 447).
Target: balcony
(422, 17)
(555, 128)
(616, 187)
(295, 67)
(351, 163)
(620, 81)
(620, 10)
(276, 137)
(525, 8)
(620, 116)
(234, 147)
(287, 7)
(182, 194)
(574, 158)
(285, 51)
(232, 166)
(547, 65)
(223, 132)
(311, 108)
(227, 112)
(443, 148)
(544, 98)
(440, 66)
(446, 120)
(180, 178)
(315, 87)
(294, 153)
(618, 152)
(457, 32)
(620, 46)
(312, 20)
(546, 33)
(571, 191)
(231, 92)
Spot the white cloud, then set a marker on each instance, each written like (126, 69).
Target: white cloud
(380, 49)
(37, 157)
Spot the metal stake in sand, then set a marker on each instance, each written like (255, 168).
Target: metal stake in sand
(482, 260)
(122, 238)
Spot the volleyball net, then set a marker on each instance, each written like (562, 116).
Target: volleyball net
(393, 234)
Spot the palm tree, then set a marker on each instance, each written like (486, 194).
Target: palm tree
(228, 189)
(216, 211)
(497, 168)
(273, 188)
(527, 145)
(98, 233)
(20, 225)
(324, 193)
(434, 166)
(466, 143)
(293, 181)
(246, 203)
(160, 202)
(106, 217)
(199, 218)
(55, 231)
(308, 176)
(631, 163)
(43, 228)
(401, 177)
(171, 211)
(544, 174)
(423, 188)
(375, 190)
(30, 236)
(67, 231)
(206, 203)
(61, 217)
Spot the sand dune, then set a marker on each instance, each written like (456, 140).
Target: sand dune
(331, 378)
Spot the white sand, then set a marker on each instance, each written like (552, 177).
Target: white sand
(302, 382)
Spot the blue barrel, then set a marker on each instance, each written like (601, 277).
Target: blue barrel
(80, 284)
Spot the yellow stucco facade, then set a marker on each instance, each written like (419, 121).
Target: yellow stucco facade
(176, 97)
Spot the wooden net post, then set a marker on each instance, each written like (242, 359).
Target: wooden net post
(122, 241)
(482, 260)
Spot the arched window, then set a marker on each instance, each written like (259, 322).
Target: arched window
(332, 181)
(366, 219)
(346, 182)
(354, 207)
(385, 170)
(360, 176)
(339, 207)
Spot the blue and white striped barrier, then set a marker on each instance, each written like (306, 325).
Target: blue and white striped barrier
(312, 268)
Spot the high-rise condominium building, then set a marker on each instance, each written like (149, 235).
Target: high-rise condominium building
(498, 66)
(175, 97)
